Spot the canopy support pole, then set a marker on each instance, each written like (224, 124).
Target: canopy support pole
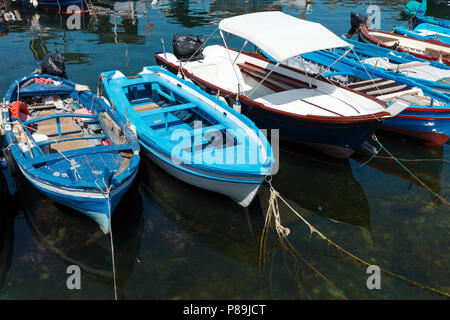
(242, 48)
(232, 63)
(328, 68)
(264, 79)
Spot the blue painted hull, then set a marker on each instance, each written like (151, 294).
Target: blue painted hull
(92, 203)
(419, 18)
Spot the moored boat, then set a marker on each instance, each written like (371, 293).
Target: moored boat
(190, 134)
(430, 49)
(426, 31)
(427, 118)
(69, 144)
(307, 109)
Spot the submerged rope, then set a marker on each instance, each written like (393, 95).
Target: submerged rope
(407, 170)
(107, 193)
(283, 232)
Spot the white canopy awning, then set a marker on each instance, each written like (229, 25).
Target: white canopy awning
(280, 35)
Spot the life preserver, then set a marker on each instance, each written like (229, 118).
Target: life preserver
(18, 107)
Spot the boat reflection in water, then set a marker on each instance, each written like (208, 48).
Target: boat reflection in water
(425, 162)
(212, 218)
(76, 240)
(109, 24)
(314, 183)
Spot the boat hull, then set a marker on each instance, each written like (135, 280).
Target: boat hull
(429, 128)
(94, 204)
(242, 191)
(418, 19)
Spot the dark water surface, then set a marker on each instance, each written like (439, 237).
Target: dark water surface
(173, 241)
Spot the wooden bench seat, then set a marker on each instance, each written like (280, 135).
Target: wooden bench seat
(274, 77)
(146, 107)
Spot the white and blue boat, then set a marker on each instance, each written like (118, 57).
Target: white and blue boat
(69, 144)
(427, 116)
(190, 134)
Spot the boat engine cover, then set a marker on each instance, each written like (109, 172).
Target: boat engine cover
(53, 64)
(187, 47)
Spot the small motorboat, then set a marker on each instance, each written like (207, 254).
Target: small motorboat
(69, 144)
(426, 31)
(190, 134)
(307, 109)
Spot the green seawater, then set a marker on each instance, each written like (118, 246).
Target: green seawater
(174, 241)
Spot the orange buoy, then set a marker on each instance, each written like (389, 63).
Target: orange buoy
(18, 107)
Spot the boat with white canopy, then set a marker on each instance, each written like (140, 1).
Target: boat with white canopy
(307, 108)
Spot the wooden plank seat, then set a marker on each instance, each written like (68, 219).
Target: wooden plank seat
(379, 87)
(266, 82)
(78, 152)
(274, 77)
(146, 107)
(167, 109)
(73, 137)
(358, 84)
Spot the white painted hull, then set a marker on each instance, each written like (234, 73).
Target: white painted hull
(241, 192)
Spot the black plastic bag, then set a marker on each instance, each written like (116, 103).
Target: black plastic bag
(53, 64)
(355, 21)
(187, 47)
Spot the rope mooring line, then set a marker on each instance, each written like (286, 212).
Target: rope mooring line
(283, 232)
(107, 194)
(407, 170)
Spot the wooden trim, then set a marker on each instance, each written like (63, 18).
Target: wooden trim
(294, 83)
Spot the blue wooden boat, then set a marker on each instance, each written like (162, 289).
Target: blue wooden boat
(190, 134)
(426, 31)
(69, 144)
(427, 117)
(419, 19)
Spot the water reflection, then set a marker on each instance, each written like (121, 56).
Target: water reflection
(74, 239)
(321, 185)
(424, 162)
(7, 218)
(211, 218)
